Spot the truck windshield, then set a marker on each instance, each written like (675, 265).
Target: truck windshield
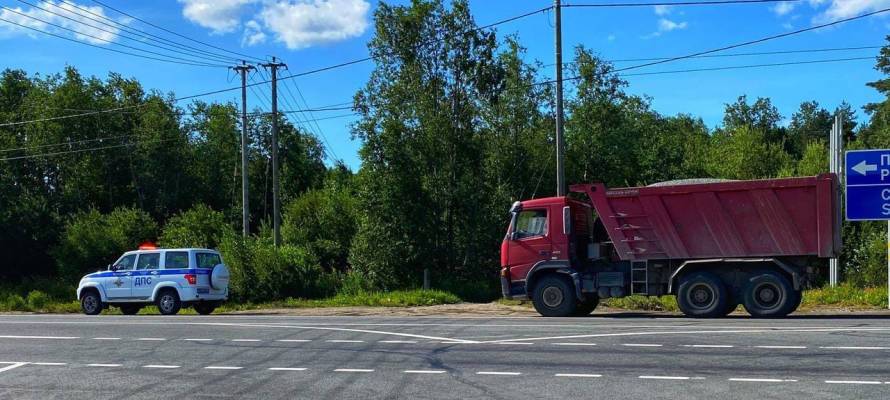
(530, 223)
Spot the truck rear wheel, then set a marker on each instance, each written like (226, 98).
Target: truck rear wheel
(554, 296)
(702, 295)
(769, 295)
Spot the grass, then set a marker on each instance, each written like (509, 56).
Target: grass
(846, 296)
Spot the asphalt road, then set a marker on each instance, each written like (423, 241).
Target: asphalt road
(123, 357)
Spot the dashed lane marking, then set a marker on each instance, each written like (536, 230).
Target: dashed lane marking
(771, 380)
(286, 369)
(223, 367)
(710, 346)
(103, 365)
(344, 341)
(246, 340)
(160, 366)
(498, 373)
(49, 364)
(424, 371)
(398, 341)
(677, 378)
(38, 337)
(855, 382)
(781, 347)
(641, 345)
(197, 340)
(854, 348)
(579, 375)
(353, 370)
(293, 340)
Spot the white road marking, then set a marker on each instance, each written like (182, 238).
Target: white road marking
(286, 369)
(222, 367)
(761, 380)
(781, 347)
(160, 366)
(150, 339)
(197, 340)
(344, 341)
(679, 378)
(13, 366)
(103, 365)
(49, 364)
(641, 345)
(451, 342)
(424, 371)
(694, 332)
(579, 375)
(498, 373)
(38, 337)
(106, 338)
(293, 340)
(526, 343)
(856, 382)
(708, 346)
(853, 348)
(398, 341)
(352, 370)
(246, 340)
(574, 344)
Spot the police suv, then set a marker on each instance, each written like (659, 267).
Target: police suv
(168, 278)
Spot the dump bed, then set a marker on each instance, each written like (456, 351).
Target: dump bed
(757, 218)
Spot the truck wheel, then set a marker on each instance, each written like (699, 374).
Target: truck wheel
(205, 308)
(130, 309)
(770, 295)
(702, 295)
(554, 296)
(168, 302)
(587, 306)
(91, 303)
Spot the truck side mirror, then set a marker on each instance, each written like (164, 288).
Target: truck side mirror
(566, 220)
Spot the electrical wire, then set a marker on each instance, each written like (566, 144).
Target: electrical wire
(85, 150)
(749, 66)
(677, 3)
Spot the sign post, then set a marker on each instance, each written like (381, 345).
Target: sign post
(867, 175)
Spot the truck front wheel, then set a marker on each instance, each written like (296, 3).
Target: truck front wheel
(702, 295)
(770, 294)
(554, 296)
(587, 306)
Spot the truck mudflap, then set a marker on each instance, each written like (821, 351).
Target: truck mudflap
(505, 287)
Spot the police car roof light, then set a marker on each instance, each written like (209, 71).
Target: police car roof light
(147, 246)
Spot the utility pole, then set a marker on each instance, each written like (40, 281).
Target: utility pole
(276, 188)
(560, 141)
(245, 199)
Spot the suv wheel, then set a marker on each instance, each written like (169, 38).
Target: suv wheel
(702, 295)
(91, 303)
(168, 302)
(554, 296)
(205, 308)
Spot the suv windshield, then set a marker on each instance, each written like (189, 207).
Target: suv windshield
(207, 260)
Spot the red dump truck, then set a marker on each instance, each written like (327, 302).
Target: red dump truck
(713, 245)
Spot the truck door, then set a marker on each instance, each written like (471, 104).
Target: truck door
(529, 241)
(120, 284)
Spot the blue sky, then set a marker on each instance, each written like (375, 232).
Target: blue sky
(308, 34)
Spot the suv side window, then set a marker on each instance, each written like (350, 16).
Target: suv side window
(148, 261)
(125, 263)
(176, 260)
(531, 223)
(207, 260)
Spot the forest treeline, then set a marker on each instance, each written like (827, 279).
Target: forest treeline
(452, 131)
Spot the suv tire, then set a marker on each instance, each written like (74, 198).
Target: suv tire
(168, 302)
(91, 302)
(702, 295)
(554, 296)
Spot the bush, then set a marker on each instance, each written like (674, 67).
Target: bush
(91, 240)
(37, 300)
(15, 303)
(323, 221)
(197, 227)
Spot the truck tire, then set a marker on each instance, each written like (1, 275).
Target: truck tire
(702, 295)
(587, 306)
(554, 296)
(130, 309)
(91, 302)
(168, 302)
(770, 295)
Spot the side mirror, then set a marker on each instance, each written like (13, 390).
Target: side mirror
(513, 236)
(113, 267)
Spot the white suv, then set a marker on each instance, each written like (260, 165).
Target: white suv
(168, 278)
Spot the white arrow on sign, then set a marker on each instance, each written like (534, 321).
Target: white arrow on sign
(864, 167)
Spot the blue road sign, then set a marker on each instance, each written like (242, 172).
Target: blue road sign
(868, 185)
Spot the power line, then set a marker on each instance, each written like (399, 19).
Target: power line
(136, 31)
(677, 3)
(106, 48)
(118, 33)
(183, 60)
(175, 33)
(762, 53)
(749, 66)
(85, 150)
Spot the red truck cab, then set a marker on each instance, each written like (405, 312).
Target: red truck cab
(714, 245)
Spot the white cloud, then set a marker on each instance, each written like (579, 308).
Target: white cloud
(253, 34)
(840, 9)
(783, 8)
(788, 26)
(662, 10)
(45, 20)
(303, 23)
(666, 25)
(221, 16)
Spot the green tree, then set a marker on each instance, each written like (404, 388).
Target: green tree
(200, 226)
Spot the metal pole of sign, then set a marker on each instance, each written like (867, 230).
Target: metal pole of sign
(833, 167)
(888, 264)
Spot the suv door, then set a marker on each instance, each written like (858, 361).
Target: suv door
(120, 284)
(146, 275)
(529, 241)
